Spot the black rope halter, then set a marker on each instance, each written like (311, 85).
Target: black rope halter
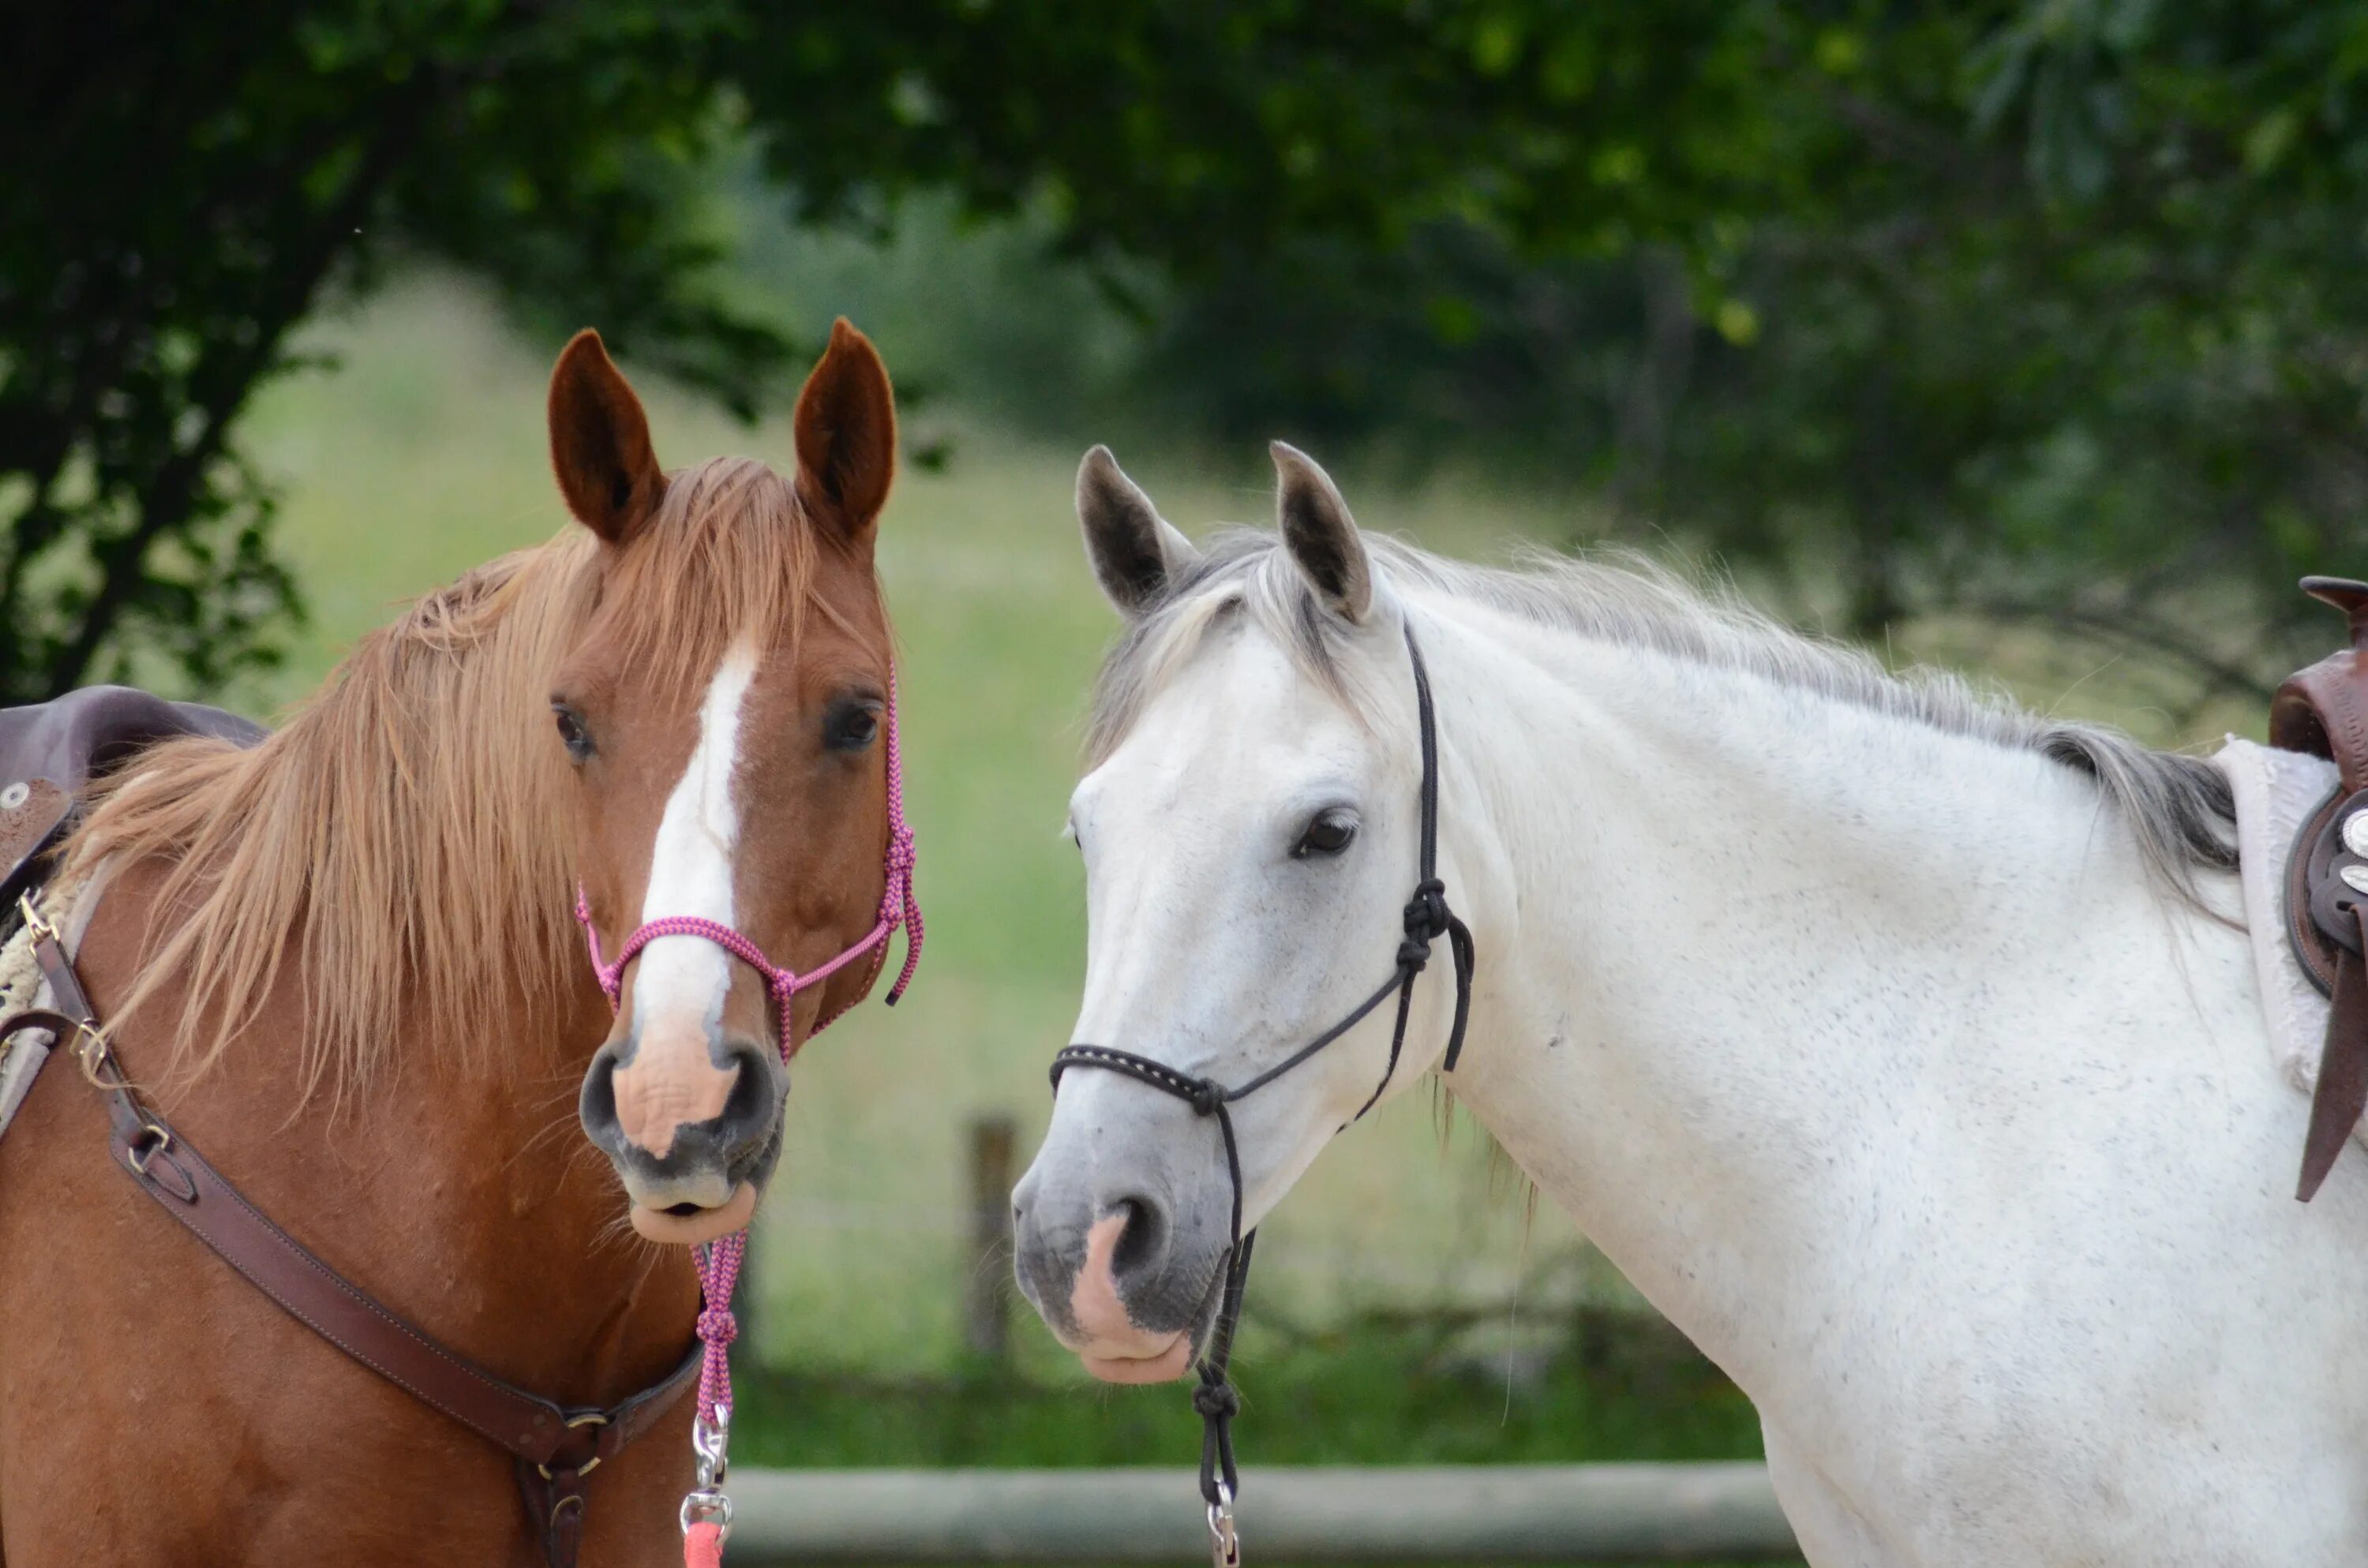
(1428, 919)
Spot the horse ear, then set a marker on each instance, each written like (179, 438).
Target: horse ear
(1320, 535)
(600, 442)
(847, 433)
(1135, 551)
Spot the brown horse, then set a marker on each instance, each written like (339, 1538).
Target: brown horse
(345, 963)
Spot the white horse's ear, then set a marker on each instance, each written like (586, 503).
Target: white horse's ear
(1135, 551)
(1320, 535)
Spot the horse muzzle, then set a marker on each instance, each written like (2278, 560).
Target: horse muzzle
(694, 1132)
(1118, 1281)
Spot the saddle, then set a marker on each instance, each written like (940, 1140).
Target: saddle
(2323, 710)
(49, 752)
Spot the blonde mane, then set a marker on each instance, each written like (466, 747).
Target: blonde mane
(402, 840)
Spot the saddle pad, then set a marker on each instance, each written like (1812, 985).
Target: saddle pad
(21, 986)
(2275, 790)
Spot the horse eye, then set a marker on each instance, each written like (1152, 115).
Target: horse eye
(1330, 832)
(572, 733)
(851, 727)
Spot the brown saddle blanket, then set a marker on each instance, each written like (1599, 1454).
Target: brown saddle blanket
(48, 751)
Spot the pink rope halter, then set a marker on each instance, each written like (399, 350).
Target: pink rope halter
(719, 1261)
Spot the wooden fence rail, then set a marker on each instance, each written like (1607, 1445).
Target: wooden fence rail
(1671, 1513)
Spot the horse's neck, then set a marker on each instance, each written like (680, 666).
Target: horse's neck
(456, 1186)
(1735, 939)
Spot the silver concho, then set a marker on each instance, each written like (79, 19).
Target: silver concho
(17, 794)
(2355, 878)
(2355, 833)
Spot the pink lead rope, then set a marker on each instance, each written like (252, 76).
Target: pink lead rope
(706, 1512)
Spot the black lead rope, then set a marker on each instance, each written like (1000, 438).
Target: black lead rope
(1428, 919)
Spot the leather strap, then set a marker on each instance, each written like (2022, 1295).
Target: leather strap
(554, 1504)
(2324, 710)
(555, 1445)
(2342, 1095)
(2314, 949)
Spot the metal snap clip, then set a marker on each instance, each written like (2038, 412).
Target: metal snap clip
(708, 1506)
(1224, 1538)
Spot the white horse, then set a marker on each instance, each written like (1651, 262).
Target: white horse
(1898, 1045)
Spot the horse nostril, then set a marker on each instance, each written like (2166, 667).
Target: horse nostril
(1143, 1240)
(597, 1106)
(752, 1104)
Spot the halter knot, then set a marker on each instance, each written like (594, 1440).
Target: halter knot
(1216, 1402)
(1426, 914)
(1206, 1096)
(718, 1327)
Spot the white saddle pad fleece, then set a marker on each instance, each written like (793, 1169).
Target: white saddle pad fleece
(2275, 790)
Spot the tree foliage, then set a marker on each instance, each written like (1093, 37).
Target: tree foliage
(2047, 310)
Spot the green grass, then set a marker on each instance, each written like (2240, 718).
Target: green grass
(1376, 1390)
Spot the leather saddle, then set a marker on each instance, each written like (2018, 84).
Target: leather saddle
(49, 752)
(2323, 710)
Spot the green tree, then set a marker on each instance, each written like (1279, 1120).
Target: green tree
(190, 183)
(2047, 310)
(2052, 313)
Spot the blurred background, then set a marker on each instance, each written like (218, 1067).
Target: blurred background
(2028, 337)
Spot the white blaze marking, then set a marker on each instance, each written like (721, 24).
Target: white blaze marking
(690, 862)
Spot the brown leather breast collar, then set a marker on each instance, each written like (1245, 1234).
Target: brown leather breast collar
(554, 1446)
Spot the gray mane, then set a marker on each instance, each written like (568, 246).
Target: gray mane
(2179, 808)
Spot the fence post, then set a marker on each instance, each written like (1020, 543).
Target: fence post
(986, 1293)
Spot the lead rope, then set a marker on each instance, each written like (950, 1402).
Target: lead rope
(706, 1514)
(1428, 918)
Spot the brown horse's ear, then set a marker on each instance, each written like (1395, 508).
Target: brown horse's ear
(600, 442)
(847, 433)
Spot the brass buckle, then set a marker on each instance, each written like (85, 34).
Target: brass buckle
(154, 1139)
(35, 921)
(92, 1054)
(589, 1418)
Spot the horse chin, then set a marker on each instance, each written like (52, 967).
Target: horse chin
(1145, 1360)
(1163, 1367)
(701, 1225)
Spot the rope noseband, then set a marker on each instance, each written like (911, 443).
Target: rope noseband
(1428, 919)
